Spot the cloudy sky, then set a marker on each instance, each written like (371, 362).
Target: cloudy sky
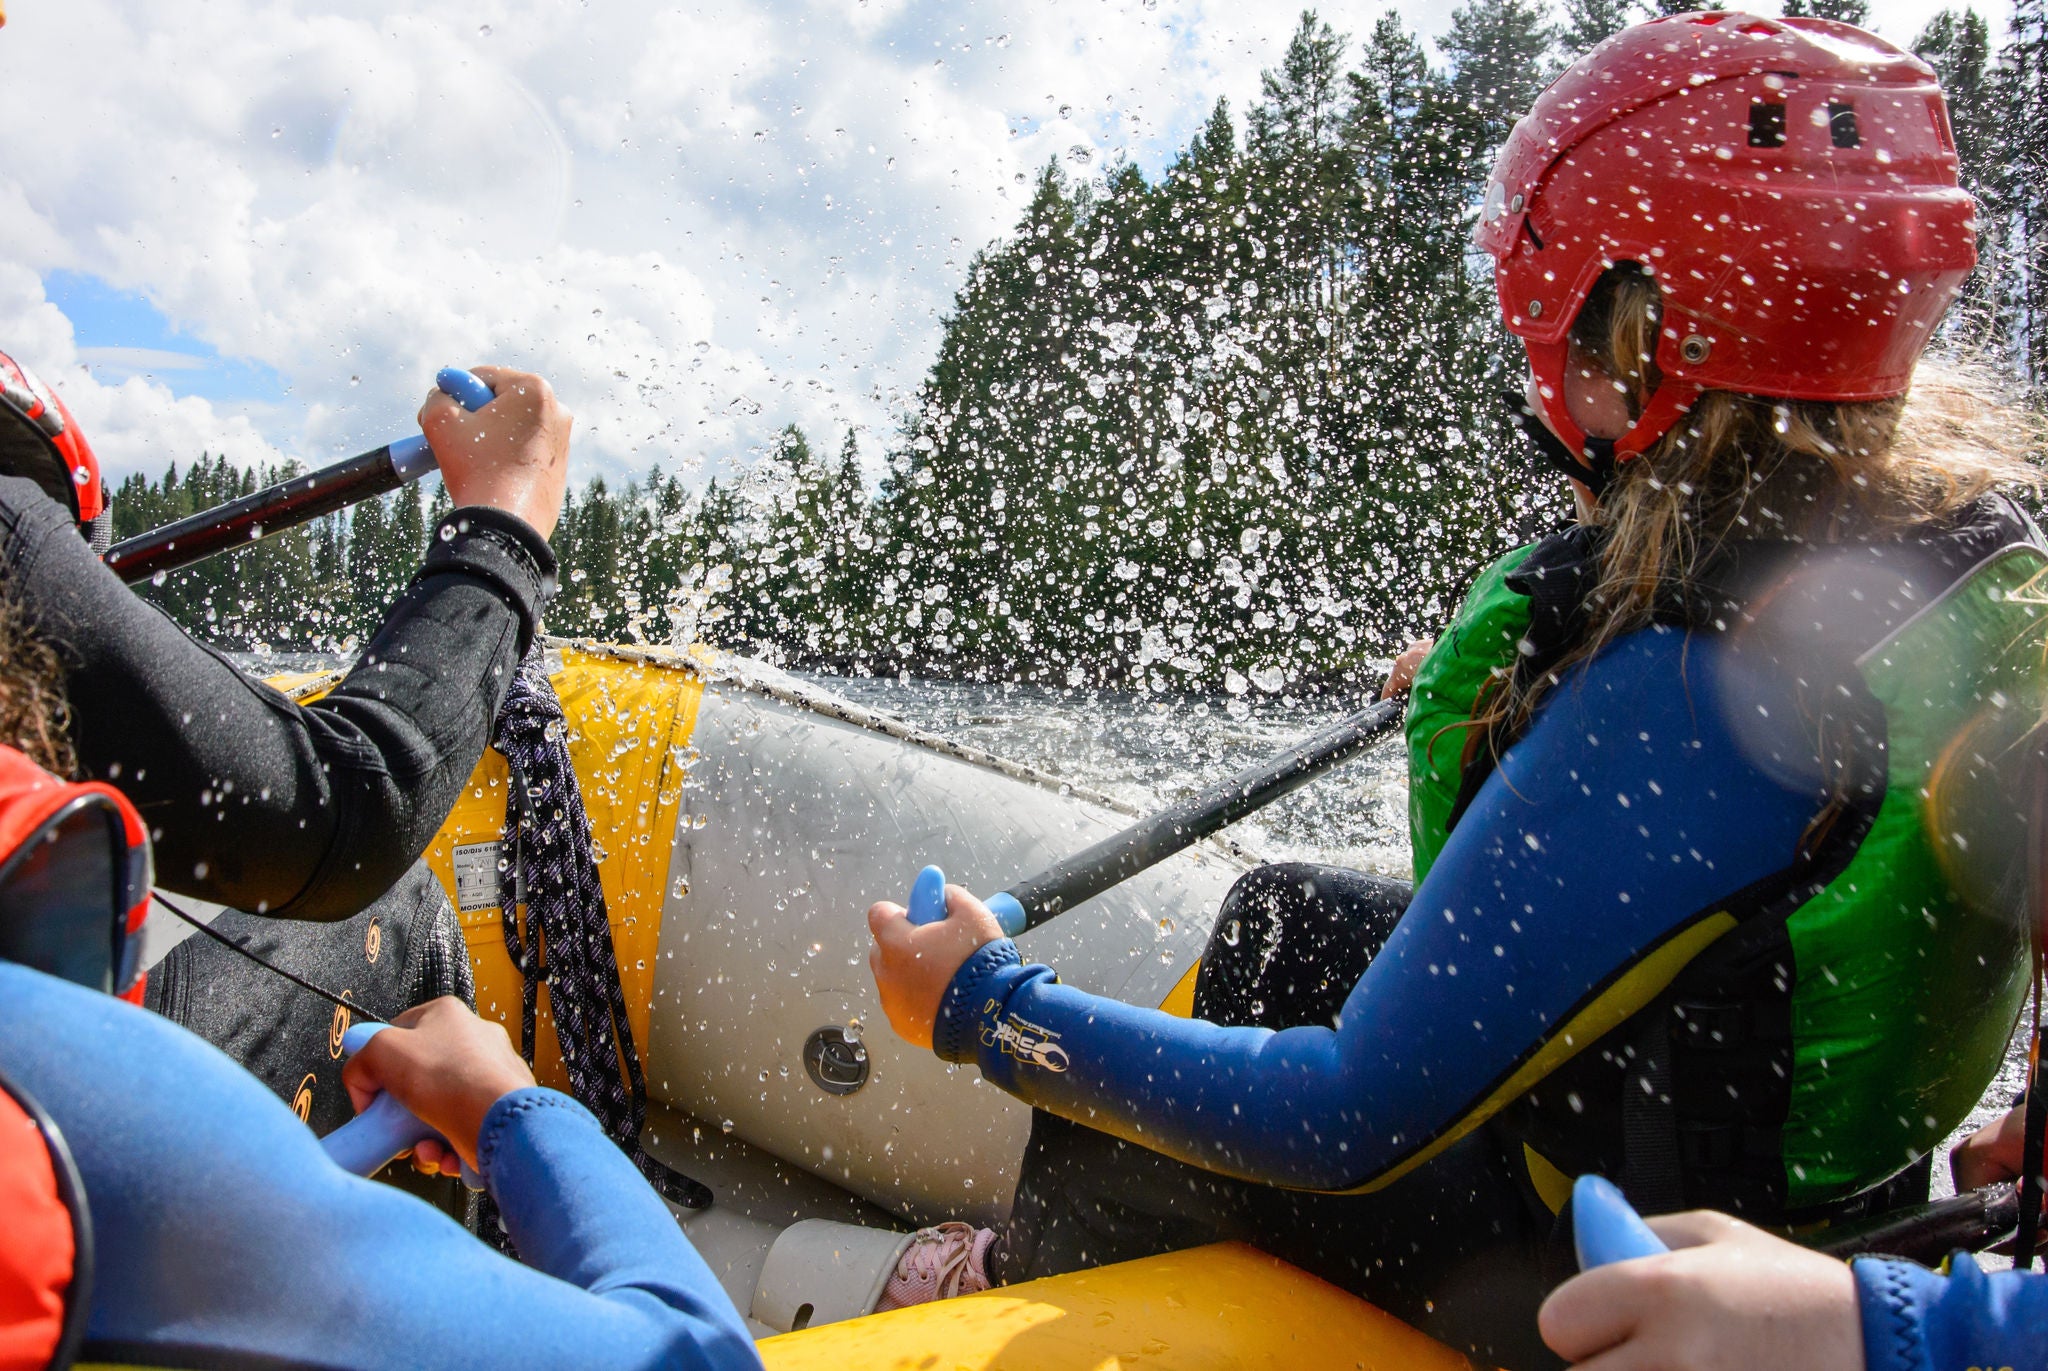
(257, 226)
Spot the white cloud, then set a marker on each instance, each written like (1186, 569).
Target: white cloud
(127, 361)
(134, 423)
(699, 221)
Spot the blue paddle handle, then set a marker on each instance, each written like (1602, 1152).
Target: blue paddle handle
(411, 458)
(467, 387)
(928, 903)
(1606, 1227)
(386, 1130)
(928, 896)
(1008, 912)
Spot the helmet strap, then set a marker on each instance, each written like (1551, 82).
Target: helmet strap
(1673, 399)
(1594, 471)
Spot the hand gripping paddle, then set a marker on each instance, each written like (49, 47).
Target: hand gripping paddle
(928, 903)
(1606, 1227)
(411, 458)
(250, 518)
(386, 1130)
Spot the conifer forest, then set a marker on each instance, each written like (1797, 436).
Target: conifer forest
(1236, 428)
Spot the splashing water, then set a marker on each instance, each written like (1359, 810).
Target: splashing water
(1152, 752)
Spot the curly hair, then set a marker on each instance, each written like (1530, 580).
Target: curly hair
(35, 717)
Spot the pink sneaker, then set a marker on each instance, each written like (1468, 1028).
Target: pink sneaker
(939, 1263)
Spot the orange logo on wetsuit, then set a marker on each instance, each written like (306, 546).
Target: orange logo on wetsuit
(373, 941)
(337, 1027)
(302, 1099)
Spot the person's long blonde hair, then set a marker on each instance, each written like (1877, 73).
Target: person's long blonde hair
(1744, 466)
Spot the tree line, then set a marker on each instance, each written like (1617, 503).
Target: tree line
(1234, 427)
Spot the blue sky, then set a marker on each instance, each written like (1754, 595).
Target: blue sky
(121, 334)
(259, 227)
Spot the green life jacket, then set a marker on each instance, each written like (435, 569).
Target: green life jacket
(1847, 1024)
(1477, 645)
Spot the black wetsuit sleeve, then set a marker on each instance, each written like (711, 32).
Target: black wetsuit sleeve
(299, 811)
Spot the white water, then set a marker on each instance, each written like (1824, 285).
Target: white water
(1152, 752)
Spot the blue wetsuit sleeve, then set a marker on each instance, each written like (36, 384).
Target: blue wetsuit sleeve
(1613, 830)
(224, 1236)
(577, 1209)
(1919, 1320)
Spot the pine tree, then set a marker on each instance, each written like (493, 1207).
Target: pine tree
(590, 548)
(1590, 22)
(408, 529)
(2023, 100)
(1958, 47)
(1296, 136)
(847, 547)
(787, 560)
(1499, 53)
(1855, 12)
(370, 575)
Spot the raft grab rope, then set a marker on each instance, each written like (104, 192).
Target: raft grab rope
(567, 939)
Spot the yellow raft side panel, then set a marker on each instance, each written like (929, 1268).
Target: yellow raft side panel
(629, 732)
(1224, 1306)
(1180, 1001)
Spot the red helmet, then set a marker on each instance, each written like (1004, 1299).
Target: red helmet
(1790, 184)
(40, 440)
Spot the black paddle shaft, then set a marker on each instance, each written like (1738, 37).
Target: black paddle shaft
(241, 522)
(1929, 1231)
(1153, 840)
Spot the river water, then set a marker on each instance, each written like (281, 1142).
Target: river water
(1150, 752)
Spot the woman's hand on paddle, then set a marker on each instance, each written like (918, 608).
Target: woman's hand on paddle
(447, 1066)
(1727, 1297)
(513, 454)
(914, 964)
(1993, 1153)
(1402, 674)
